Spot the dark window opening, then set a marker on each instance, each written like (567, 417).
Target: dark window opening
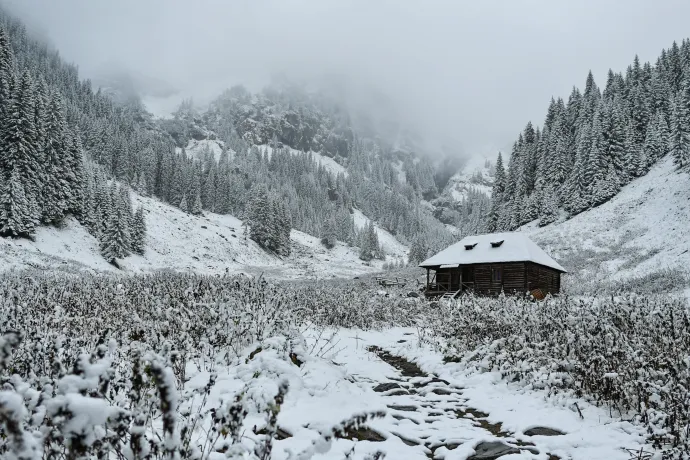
(470, 246)
(495, 244)
(496, 274)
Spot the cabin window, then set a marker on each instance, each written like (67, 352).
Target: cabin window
(496, 274)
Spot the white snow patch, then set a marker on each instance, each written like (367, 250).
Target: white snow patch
(473, 176)
(211, 244)
(394, 249)
(329, 163)
(196, 149)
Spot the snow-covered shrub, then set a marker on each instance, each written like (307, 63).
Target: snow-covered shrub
(629, 353)
(98, 366)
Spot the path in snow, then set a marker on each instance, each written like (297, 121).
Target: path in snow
(428, 410)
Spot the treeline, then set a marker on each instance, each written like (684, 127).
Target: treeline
(596, 142)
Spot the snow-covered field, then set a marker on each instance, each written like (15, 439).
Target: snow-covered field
(237, 362)
(178, 241)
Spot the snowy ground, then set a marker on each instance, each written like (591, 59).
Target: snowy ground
(178, 241)
(438, 413)
(643, 229)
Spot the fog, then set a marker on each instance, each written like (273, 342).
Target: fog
(472, 71)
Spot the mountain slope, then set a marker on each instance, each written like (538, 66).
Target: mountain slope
(641, 231)
(182, 242)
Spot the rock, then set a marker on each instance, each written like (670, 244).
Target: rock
(441, 391)
(492, 450)
(381, 387)
(405, 408)
(413, 294)
(543, 431)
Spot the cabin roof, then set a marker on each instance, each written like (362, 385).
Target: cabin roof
(515, 247)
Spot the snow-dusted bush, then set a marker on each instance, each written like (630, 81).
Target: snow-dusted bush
(629, 353)
(95, 366)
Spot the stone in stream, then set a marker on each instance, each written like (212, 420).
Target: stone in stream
(543, 431)
(492, 450)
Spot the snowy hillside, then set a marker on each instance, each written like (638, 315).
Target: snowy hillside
(197, 148)
(394, 249)
(644, 229)
(208, 244)
(477, 174)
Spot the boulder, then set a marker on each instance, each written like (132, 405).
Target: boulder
(543, 431)
(492, 450)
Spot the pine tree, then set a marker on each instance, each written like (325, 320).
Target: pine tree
(56, 189)
(138, 236)
(259, 217)
(196, 207)
(183, 203)
(496, 195)
(655, 147)
(549, 207)
(680, 132)
(419, 250)
(19, 148)
(605, 188)
(329, 233)
(15, 213)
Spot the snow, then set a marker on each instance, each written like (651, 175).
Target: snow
(212, 244)
(327, 162)
(641, 230)
(516, 247)
(196, 148)
(332, 387)
(460, 184)
(393, 248)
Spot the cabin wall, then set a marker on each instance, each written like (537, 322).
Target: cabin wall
(512, 278)
(541, 277)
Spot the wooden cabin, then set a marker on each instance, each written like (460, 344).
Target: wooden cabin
(491, 264)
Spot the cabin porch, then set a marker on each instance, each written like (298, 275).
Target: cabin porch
(453, 281)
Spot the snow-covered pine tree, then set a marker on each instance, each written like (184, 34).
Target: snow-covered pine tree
(418, 250)
(259, 216)
(76, 177)
(15, 213)
(196, 207)
(635, 162)
(138, 236)
(656, 146)
(329, 233)
(116, 239)
(285, 227)
(183, 203)
(549, 207)
(56, 189)
(606, 187)
(19, 148)
(680, 131)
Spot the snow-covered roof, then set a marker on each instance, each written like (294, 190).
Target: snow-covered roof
(515, 247)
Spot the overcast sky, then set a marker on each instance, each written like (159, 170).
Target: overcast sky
(475, 71)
